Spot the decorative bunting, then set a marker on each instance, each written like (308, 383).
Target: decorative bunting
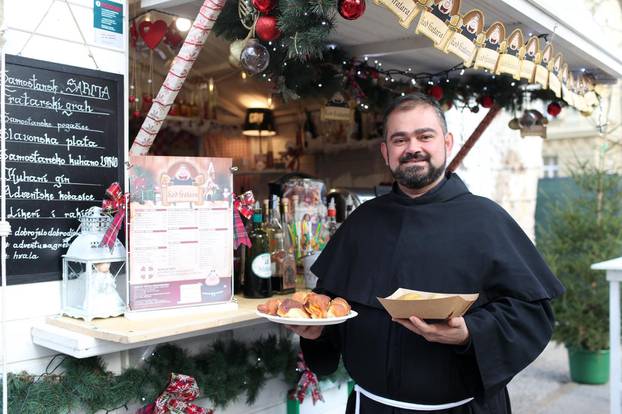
(437, 19)
(488, 53)
(542, 66)
(463, 42)
(565, 85)
(527, 56)
(555, 67)
(405, 10)
(508, 57)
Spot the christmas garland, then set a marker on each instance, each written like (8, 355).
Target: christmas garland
(301, 62)
(224, 372)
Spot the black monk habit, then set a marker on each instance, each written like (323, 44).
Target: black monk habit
(447, 240)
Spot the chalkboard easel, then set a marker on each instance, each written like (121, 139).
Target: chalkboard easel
(64, 146)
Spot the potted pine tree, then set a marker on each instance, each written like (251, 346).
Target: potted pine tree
(582, 229)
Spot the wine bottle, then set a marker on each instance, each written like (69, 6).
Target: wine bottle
(257, 278)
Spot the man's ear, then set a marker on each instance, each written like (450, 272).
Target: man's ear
(384, 151)
(449, 142)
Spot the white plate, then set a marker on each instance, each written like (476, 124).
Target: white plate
(308, 322)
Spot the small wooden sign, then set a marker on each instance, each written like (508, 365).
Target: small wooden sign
(542, 66)
(437, 19)
(463, 42)
(567, 96)
(405, 10)
(488, 53)
(508, 58)
(336, 113)
(555, 67)
(527, 58)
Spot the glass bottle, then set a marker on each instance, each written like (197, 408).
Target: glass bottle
(289, 246)
(332, 218)
(258, 269)
(266, 214)
(284, 265)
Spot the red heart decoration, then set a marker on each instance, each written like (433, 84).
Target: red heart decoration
(152, 32)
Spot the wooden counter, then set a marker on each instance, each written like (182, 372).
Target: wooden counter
(100, 336)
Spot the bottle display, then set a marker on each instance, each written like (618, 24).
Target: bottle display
(258, 267)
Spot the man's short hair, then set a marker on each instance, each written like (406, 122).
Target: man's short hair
(410, 101)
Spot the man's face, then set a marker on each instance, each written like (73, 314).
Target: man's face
(415, 149)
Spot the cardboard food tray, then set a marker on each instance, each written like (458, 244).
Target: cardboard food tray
(430, 306)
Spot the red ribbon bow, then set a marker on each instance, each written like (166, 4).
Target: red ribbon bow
(307, 379)
(177, 397)
(242, 206)
(115, 204)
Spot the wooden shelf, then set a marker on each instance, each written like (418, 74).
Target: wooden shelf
(83, 339)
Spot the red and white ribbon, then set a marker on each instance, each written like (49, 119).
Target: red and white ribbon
(177, 75)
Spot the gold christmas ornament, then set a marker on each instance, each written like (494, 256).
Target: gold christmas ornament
(235, 50)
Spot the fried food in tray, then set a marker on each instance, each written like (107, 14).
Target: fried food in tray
(304, 305)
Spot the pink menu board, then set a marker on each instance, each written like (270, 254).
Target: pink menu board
(181, 232)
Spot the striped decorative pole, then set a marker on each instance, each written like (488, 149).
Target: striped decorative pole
(180, 67)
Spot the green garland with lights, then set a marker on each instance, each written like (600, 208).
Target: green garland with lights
(304, 64)
(304, 25)
(224, 372)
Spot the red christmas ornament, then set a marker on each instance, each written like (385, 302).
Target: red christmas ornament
(147, 99)
(132, 99)
(554, 109)
(266, 28)
(436, 92)
(351, 9)
(264, 6)
(136, 114)
(487, 101)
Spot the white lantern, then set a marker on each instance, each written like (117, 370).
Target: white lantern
(94, 280)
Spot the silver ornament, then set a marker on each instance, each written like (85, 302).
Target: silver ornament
(254, 57)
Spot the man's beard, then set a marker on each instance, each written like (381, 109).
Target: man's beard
(416, 177)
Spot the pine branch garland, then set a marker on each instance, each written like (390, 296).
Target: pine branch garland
(228, 25)
(225, 372)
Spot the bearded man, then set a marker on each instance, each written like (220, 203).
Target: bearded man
(430, 234)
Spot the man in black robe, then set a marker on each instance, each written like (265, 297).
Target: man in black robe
(430, 234)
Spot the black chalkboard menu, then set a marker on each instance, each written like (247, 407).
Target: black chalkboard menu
(64, 147)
